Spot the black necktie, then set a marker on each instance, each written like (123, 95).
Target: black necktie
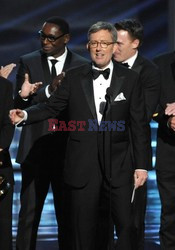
(126, 65)
(96, 73)
(53, 69)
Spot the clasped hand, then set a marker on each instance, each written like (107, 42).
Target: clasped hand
(170, 110)
(16, 116)
(56, 82)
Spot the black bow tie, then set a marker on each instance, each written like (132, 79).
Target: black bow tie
(126, 65)
(96, 73)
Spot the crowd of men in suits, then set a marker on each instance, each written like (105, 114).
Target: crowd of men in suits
(98, 177)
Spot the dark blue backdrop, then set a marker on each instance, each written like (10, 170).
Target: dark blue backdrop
(19, 23)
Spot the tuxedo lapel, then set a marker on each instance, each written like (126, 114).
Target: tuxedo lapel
(137, 66)
(116, 83)
(87, 85)
(67, 61)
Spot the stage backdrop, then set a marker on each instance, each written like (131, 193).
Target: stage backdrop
(20, 22)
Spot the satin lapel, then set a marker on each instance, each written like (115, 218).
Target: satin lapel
(116, 83)
(67, 61)
(137, 67)
(46, 71)
(87, 85)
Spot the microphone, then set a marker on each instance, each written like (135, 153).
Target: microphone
(108, 95)
(108, 98)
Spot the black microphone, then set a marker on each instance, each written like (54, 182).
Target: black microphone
(108, 98)
(108, 95)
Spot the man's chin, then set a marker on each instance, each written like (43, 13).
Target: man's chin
(47, 52)
(116, 58)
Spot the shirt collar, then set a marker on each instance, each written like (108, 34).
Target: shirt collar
(110, 65)
(131, 60)
(59, 58)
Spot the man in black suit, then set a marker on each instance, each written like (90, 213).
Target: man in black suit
(165, 160)
(98, 158)
(6, 171)
(129, 40)
(40, 152)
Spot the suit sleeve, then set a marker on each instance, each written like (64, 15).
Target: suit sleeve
(150, 79)
(34, 99)
(7, 129)
(159, 115)
(140, 130)
(57, 103)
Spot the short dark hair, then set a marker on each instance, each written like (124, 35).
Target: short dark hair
(134, 28)
(60, 22)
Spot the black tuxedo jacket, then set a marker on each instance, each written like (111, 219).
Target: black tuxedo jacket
(150, 79)
(165, 136)
(84, 147)
(36, 65)
(6, 128)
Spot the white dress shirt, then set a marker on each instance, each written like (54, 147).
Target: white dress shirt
(100, 85)
(131, 60)
(58, 66)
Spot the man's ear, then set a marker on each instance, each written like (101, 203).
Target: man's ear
(66, 38)
(135, 43)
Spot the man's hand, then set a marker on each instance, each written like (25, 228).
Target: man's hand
(16, 115)
(28, 89)
(170, 109)
(171, 123)
(140, 177)
(1, 150)
(56, 82)
(6, 70)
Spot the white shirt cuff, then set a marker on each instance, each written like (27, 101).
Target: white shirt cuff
(24, 99)
(47, 91)
(23, 119)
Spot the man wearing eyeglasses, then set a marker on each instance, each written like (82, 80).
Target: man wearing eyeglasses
(41, 153)
(129, 41)
(99, 160)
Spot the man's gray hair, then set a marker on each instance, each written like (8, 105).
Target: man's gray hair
(103, 26)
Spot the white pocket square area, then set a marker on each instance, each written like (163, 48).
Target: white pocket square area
(120, 97)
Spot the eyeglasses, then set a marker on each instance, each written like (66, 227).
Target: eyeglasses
(50, 38)
(104, 45)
